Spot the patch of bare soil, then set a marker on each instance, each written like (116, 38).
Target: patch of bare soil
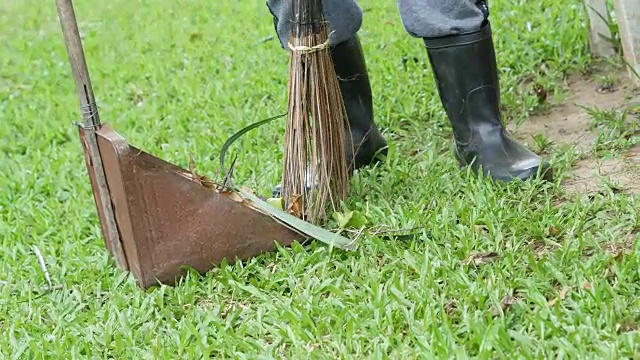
(569, 124)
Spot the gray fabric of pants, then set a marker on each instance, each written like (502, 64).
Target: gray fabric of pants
(421, 18)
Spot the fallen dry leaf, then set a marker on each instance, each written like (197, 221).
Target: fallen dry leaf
(480, 228)
(553, 231)
(295, 206)
(481, 258)
(450, 306)
(562, 296)
(505, 304)
(208, 183)
(538, 249)
(233, 196)
(192, 169)
(587, 286)
(201, 180)
(619, 251)
(629, 326)
(193, 175)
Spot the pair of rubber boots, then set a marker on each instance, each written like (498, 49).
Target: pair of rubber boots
(466, 75)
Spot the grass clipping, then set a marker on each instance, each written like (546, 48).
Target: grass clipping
(315, 176)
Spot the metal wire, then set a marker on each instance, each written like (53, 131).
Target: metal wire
(89, 112)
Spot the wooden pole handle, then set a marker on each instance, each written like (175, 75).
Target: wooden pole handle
(78, 63)
(91, 121)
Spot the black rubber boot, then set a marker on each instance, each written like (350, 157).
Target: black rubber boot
(466, 74)
(350, 66)
(351, 69)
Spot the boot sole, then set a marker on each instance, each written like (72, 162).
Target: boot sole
(544, 171)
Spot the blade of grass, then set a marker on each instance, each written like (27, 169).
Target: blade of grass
(306, 228)
(233, 138)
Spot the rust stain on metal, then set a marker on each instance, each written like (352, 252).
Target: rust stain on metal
(167, 221)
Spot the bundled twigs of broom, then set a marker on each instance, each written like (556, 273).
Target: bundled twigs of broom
(315, 176)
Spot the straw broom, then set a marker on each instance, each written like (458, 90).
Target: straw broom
(315, 175)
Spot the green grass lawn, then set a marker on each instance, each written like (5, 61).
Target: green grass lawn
(179, 77)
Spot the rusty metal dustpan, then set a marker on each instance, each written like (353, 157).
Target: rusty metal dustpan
(155, 220)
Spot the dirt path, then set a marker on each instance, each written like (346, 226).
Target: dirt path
(569, 124)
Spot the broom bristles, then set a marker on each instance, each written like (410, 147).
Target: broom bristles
(315, 164)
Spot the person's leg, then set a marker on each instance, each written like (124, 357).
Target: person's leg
(459, 44)
(345, 19)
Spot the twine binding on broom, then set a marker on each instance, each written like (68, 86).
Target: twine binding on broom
(310, 49)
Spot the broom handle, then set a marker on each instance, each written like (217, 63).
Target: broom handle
(91, 121)
(78, 63)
